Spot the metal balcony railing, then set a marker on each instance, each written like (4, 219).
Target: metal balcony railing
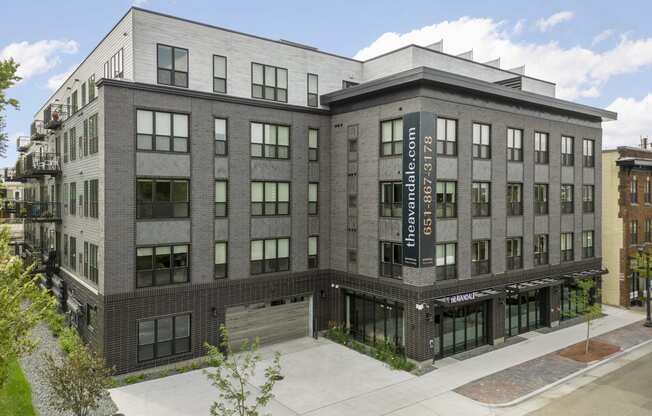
(22, 143)
(38, 211)
(37, 130)
(54, 115)
(38, 164)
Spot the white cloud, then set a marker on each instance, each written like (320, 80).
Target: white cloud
(38, 57)
(55, 81)
(602, 36)
(519, 27)
(138, 3)
(578, 71)
(633, 122)
(557, 18)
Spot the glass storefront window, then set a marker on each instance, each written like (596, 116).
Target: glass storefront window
(374, 320)
(459, 329)
(523, 311)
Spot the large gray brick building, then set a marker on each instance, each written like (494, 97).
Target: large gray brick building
(187, 175)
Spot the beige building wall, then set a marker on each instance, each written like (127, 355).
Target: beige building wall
(612, 228)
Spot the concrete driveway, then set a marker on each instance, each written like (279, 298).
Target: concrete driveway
(318, 373)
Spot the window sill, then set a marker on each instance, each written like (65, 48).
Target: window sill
(171, 152)
(163, 219)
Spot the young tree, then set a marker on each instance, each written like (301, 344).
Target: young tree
(77, 381)
(8, 78)
(584, 300)
(22, 305)
(233, 373)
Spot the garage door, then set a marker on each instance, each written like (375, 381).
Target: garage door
(270, 322)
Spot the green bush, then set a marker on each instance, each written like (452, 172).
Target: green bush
(68, 339)
(135, 378)
(55, 322)
(164, 373)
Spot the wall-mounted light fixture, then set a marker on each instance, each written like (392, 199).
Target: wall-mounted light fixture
(214, 312)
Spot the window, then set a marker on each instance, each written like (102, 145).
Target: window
(75, 102)
(446, 136)
(391, 196)
(313, 253)
(65, 198)
(587, 244)
(270, 141)
(162, 265)
(446, 200)
(541, 148)
(480, 257)
(221, 198)
(589, 148)
(93, 145)
(92, 263)
(221, 260)
(93, 198)
(268, 256)
(65, 249)
(91, 88)
(515, 145)
(313, 198)
(163, 337)
(85, 146)
(73, 253)
(72, 135)
(269, 82)
(83, 94)
(391, 259)
(587, 198)
(480, 199)
(648, 230)
(65, 147)
(114, 67)
(172, 66)
(514, 199)
(313, 145)
(513, 252)
(73, 198)
(91, 317)
(567, 247)
(85, 259)
(633, 190)
(86, 197)
(446, 261)
(566, 197)
(221, 147)
(270, 198)
(219, 74)
(163, 198)
(540, 249)
(567, 152)
(391, 137)
(162, 132)
(540, 199)
(647, 192)
(633, 232)
(481, 141)
(313, 88)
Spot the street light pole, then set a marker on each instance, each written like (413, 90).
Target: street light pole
(648, 320)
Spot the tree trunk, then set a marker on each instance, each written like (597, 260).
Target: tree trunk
(588, 337)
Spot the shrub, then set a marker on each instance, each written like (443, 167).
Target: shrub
(56, 322)
(164, 373)
(135, 378)
(68, 339)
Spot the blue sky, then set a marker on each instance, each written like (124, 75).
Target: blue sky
(598, 54)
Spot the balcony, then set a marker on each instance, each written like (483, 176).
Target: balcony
(35, 165)
(9, 174)
(54, 115)
(37, 131)
(32, 211)
(23, 143)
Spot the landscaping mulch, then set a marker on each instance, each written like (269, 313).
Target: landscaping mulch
(597, 351)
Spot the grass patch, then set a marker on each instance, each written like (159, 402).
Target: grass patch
(16, 397)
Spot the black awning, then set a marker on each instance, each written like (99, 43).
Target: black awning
(584, 274)
(532, 284)
(466, 298)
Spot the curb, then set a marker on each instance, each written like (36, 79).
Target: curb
(567, 378)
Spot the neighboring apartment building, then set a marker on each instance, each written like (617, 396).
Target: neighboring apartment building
(627, 220)
(202, 176)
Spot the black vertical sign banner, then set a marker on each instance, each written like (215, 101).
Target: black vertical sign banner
(418, 189)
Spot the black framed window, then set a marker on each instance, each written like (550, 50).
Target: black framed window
(221, 198)
(446, 261)
(514, 145)
(86, 198)
(587, 244)
(269, 256)
(567, 247)
(481, 199)
(93, 136)
(270, 141)
(270, 198)
(221, 259)
(73, 198)
(221, 136)
(446, 136)
(633, 232)
(514, 199)
(72, 135)
(172, 65)
(446, 197)
(219, 74)
(647, 192)
(93, 273)
(114, 67)
(588, 195)
(65, 249)
(540, 249)
(391, 197)
(163, 337)
(588, 146)
(313, 90)
(91, 88)
(633, 190)
(73, 253)
(541, 148)
(514, 257)
(163, 198)
(313, 145)
(162, 265)
(391, 259)
(83, 94)
(480, 257)
(161, 131)
(313, 252)
(481, 141)
(567, 151)
(541, 199)
(566, 199)
(65, 147)
(313, 198)
(94, 210)
(74, 102)
(269, 82)
(648, 230)
(391, 137)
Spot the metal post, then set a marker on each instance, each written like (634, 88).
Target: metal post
(648, 321)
